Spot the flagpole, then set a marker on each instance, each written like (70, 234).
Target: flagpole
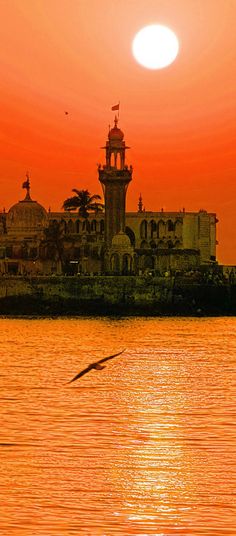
(115, 108)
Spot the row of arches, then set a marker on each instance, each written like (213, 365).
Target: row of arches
(161, 228)
(161, 244)
(79, 227)
(20, 251)
(115, 158)
(121, 264)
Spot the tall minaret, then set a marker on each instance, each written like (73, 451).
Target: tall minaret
(115, 177)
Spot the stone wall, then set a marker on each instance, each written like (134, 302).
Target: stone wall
(114, 295)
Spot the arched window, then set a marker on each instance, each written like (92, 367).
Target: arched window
(153, 244)
(177, 244)
(70, 227)
(33, 253)
(77, 226)
(170, 226)
(178, 228)
(86, 226)
(143, 229)
(170, 244)
(93, 226)
(63, 226)
(127, 264)
(144, 244)
(153, 228)
(113, 159)
(118, 161)
(115, 263)
(161, 229)
(149, 262)
(9, 251)
(131, 235)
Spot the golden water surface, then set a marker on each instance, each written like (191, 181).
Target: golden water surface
(144, 447)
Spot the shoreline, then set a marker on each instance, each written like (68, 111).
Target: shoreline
(114, 296)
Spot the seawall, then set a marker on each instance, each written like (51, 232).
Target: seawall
(114, 295)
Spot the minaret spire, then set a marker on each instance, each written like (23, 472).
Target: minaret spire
(115, 177)
(140, 203)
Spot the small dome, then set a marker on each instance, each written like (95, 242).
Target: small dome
(26, 217)
(116, 134)
(121, 240)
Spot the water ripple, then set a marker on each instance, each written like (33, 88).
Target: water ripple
(144, 447)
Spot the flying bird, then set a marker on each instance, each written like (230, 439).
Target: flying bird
(95, 366)
(66, 113)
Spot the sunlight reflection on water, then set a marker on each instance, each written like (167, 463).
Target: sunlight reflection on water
(145, 446)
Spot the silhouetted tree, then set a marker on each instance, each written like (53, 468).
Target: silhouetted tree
(84, 202)
(54, 242)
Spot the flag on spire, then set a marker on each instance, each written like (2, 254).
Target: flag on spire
(115, 107)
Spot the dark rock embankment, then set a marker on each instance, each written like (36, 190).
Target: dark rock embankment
(114, 295)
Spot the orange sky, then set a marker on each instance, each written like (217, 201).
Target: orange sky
(75, 55)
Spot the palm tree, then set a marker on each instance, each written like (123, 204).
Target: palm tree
(84, 202)
(54, 241)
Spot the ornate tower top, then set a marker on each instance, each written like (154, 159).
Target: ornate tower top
(115, 148)
(115, 134)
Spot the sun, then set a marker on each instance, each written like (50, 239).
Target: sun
(155, 46)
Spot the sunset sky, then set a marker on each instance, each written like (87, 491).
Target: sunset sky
(180, 121)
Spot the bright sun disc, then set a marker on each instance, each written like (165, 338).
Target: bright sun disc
(155, 46)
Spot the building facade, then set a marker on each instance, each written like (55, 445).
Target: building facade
(36, 241)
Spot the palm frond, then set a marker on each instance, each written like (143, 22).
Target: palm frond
(97, 207)
(71, 203)
(84, 202)
(94, 197)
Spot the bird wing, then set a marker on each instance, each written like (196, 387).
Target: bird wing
(109, 357)
(90, 367)
(84, 371)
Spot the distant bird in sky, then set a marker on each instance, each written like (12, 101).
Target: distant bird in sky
(66, 113)
(95, 366)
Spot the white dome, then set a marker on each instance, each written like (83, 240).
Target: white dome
(26, 217)
(121, 240)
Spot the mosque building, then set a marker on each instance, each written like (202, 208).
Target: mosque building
(34, 241)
